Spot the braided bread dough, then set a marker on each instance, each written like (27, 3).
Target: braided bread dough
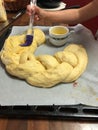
(43, 70)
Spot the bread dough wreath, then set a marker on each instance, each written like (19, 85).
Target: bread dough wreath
(43, 70)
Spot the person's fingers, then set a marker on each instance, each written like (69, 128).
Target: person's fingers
(30, 9)
(37, 17)
(35, 10)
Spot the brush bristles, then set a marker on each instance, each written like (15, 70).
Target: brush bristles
(29, 39)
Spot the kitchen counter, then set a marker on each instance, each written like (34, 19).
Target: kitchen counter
(31, 124)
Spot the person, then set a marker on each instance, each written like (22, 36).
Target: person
(68, 16)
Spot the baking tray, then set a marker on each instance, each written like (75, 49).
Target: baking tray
(73, 112)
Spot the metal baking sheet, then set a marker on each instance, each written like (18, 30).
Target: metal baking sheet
(57, 112)
(65, 111)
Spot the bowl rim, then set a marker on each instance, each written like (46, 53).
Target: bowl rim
(58, 35)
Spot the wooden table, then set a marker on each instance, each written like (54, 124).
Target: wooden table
(43, 124)
(10, 124)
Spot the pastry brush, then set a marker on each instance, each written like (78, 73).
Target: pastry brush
(30, 31)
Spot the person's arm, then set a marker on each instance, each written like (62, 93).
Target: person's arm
(74, 16)
(69, 16)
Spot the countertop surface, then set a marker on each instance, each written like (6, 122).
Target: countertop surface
(31, 124)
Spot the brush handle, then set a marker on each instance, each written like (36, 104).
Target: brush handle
(30, 29)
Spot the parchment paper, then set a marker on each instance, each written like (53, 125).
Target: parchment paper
(14, 91)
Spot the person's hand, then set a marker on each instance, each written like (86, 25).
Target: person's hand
(38, 12)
